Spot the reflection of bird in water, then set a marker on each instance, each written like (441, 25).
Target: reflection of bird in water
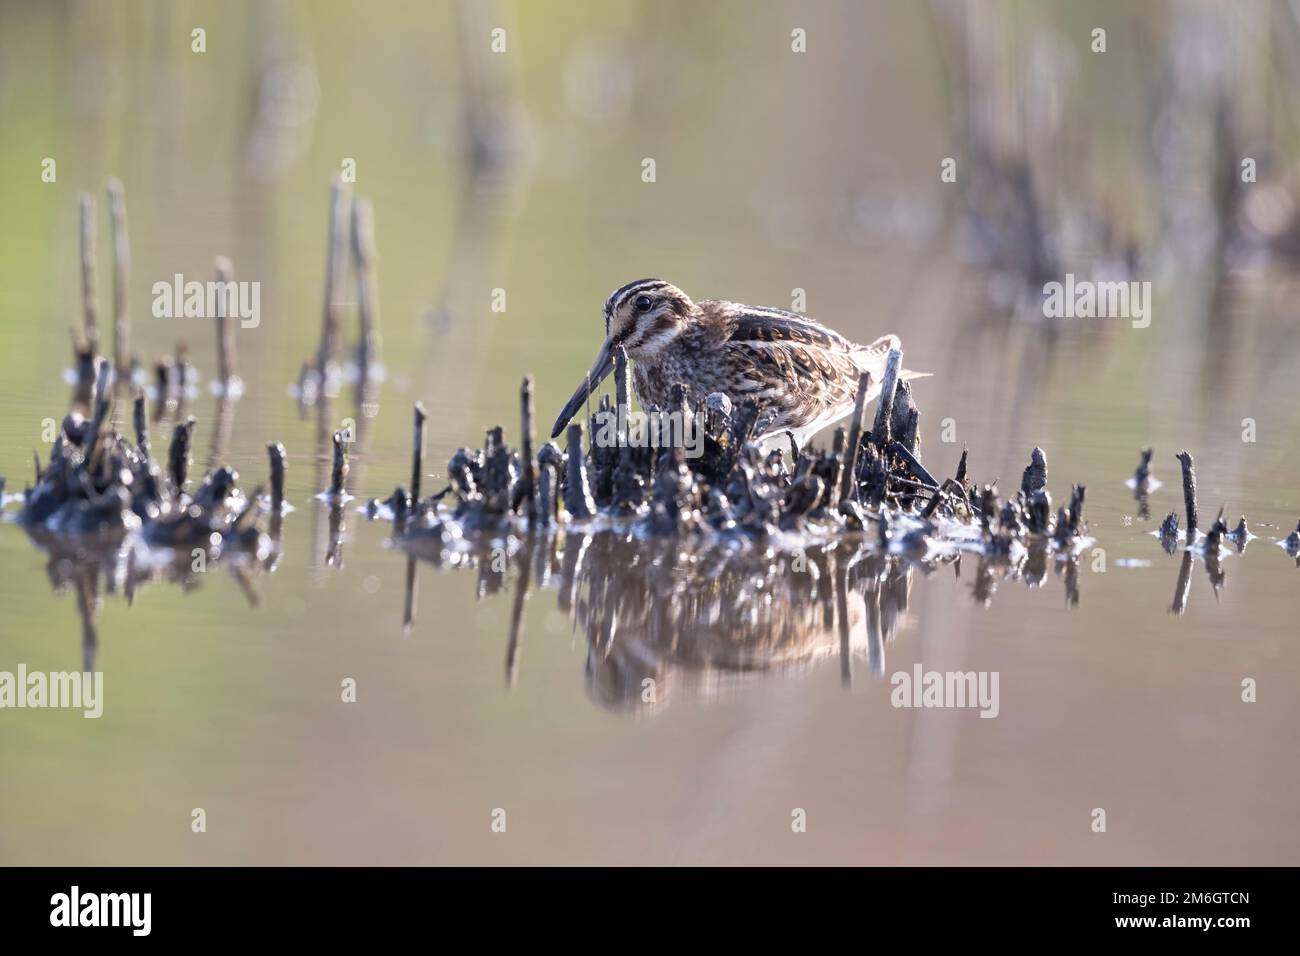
(663, 620)
(806, 373)
(666, 616)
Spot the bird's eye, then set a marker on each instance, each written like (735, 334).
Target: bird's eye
(643, 303)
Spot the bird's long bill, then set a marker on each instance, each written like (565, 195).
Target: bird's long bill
(600, 368)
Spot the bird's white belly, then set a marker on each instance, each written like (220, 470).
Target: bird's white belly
(776, 437)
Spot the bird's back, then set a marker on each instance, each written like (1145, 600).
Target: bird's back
(782, 360)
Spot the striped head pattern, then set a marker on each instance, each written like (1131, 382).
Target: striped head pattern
(646, 315)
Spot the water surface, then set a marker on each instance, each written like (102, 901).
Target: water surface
(219, 703)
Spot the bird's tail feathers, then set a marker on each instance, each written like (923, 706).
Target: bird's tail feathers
(871, 358)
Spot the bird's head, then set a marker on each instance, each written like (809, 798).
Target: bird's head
(643, 317)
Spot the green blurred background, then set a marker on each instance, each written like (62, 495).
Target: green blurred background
(775, 171)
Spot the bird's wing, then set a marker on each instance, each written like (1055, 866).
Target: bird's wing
(744, 323)
(792, 363)
(805, 369)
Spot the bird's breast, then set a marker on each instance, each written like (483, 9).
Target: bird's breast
(654, 380)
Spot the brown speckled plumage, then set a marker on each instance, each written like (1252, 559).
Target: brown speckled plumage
(805, 371)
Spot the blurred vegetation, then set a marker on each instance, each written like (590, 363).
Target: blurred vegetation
(522, 171)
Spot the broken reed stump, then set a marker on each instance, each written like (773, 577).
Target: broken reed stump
(1189, 494)
(526, 494)
(1292, 542)
(275, 452)
(905, 420)
(417, 454)
(848, 476)
(335, 261)
(497, 472)
(363, 259)
(1034, 478)
(914, 464)
(339, 471)
(90, 325)
(140, 417)
(178, 454)
(1069, 522)
(227, 357)
(885, 403)
(547, 502)
(103, 381)
(1215, 535)
(577, 492)
(948, 486)
(99, 483)
(121, 278)
(1241, 533)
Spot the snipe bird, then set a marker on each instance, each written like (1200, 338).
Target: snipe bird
(782, 360)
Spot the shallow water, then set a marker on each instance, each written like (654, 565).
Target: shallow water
(213, 702)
